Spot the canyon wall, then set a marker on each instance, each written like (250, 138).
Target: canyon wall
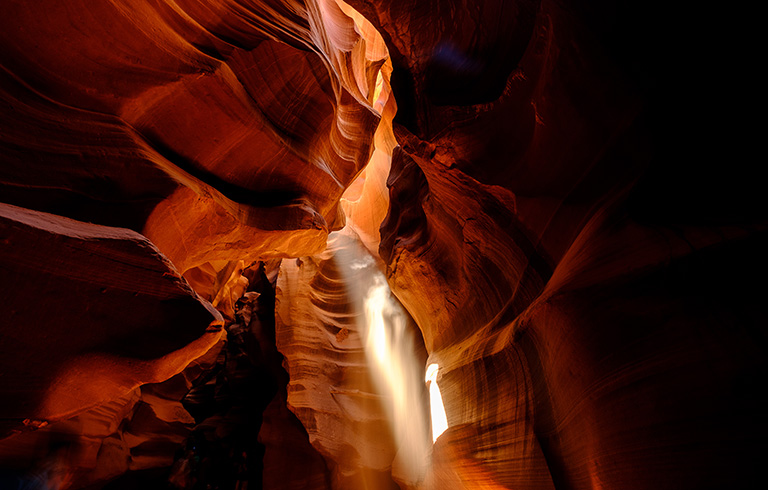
(579, 269)
(573, 217)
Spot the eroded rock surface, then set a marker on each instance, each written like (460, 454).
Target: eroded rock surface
(319, 331)
(251, 118)
(532, 237)
(574, 220)
(93, 312)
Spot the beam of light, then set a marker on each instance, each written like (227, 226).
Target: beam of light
(389, 349)
(439, 419)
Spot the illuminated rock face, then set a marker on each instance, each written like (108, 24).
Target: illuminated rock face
(319, 331)
(88, 345)
(252, 119)
(587, 303)
(139, 430)
(572, 221)
(94, 314)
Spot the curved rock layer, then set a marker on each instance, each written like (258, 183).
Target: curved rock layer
(574, 220)
(111, 314)
(225, 132)
(139, 430)
(587, 302)
(250, 117)
(319, 331)
(284, 438)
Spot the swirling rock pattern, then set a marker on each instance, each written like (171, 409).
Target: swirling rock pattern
(225, 132)
(97, 272)
(319, 332)
(560, 285)
(252, 118)
(136, 431)
(574, 221)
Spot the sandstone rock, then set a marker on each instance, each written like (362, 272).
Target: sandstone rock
(574, 221)
(287, 448)
(518, 216)
(331, 390)
(93, 313)
(178, 105)
(136, 431)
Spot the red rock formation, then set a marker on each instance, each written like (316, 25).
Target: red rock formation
(574, 221)
(565, 307)
(95, 312)
(90, 299)
(186, 94)
(288, 448)
(285, 440)
(138, 430)
(225, 133)
(330, 390)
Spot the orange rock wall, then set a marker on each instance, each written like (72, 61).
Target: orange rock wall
(564, 257)
(319, 331)
(575, 220)
(251, 118)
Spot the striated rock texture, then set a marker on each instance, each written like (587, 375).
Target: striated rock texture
(580, 272)
(319, 332)
(224, 132)
(284, 438)
(133, 432)
(221, 130)
(575, 221)
(92, 313)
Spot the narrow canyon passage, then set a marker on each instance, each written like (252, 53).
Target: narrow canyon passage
(356, 362)
(369, 245)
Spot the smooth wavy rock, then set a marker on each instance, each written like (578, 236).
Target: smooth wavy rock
(575, 220)
(319, 332)
(589, 330)
(282, 438)
(252, 117)
(93, 313)
(136, 431)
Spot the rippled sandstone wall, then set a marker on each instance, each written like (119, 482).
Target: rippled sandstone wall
(578, 263)
(575, 218)
(223, 132)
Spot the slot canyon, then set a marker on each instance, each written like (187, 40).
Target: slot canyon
(371, 245)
